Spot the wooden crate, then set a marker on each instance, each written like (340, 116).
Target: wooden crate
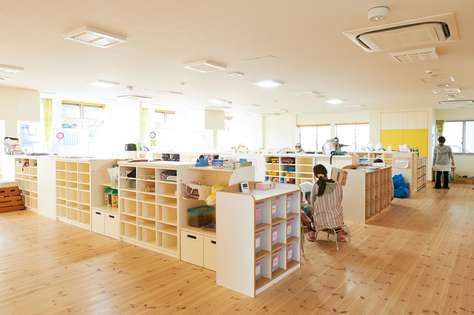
(11, 199)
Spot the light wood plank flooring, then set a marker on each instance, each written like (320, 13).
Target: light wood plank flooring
(415, 258)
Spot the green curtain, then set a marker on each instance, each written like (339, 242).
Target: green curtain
(439, 127)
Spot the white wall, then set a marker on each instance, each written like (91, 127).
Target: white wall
(464, 162)
(279, 131)
(18, 104)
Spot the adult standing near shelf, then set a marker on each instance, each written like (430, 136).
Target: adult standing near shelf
(443, 161)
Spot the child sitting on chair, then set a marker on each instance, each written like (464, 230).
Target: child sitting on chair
(326, 202)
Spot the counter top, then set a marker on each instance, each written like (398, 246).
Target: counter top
(156, 164)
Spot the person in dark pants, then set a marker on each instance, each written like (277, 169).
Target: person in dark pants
(442, 162)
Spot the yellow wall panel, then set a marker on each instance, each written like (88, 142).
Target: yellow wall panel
(415, 138)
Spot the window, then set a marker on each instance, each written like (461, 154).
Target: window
(354, 136)
(312, 138)
(81, 128)
(459, 136)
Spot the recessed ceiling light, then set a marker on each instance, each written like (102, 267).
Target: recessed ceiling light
(11, 69)
(235, 74)
(105, 84)
(92, 36)
(268, 84)
(204, 66)
(335, 101)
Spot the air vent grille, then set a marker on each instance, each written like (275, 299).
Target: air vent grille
(417, 55)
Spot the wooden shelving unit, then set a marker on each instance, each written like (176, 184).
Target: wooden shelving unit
(263, 227)
(148, 206)
(26, 175)
(73, 192)
(289, 169)
(421, 173)
(78, 189)
(378, 191)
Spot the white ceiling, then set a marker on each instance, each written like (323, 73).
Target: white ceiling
(304, 36)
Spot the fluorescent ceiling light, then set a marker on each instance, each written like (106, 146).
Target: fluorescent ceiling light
(92, 36)
(235, 74)
(105, 84)
(335, 101)
(204, 66)
(11, 69)
(134, 97)
(218, 101)
(268, 84)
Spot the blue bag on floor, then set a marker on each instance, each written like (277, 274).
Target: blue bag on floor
(401, 188)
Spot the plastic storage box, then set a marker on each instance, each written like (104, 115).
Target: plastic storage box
(201, 216)
(259, 241)
(289, 227)
(259, 265)
(276, 261)
(276, 234)
(259, 208)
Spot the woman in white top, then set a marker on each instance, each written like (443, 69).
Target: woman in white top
(443, 160)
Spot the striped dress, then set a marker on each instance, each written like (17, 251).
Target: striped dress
(328, 211)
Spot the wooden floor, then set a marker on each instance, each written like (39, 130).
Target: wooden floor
(415, 258)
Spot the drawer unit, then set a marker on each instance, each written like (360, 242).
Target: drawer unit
(105, 223)
(198, 249)
(192, 248)
(210, 253)
(98, 222)
(112, 226)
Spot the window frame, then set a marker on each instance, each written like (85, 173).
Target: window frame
(355, 143)
(317, 132)
(463, 140)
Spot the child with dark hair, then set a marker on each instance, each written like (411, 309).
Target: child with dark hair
(326, 201)
(443, 160)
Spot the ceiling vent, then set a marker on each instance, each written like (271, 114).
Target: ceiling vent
(457, 102)
(413, 33)
(205, 66)
(94, 37)
(417, 55)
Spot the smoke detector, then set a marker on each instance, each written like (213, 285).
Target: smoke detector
(94, 37)
(378, 13)
(204, 66)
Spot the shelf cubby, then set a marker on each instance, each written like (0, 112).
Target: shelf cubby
(169, 242)
(168, 216)
(128, 206)
(128, 230)
(71, 166)
(147, 236)
(147, 210)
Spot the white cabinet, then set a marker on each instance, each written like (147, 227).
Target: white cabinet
(112, 225)
(210, 253)
(105, 223)
(98, 222)
(192, 248)
(198, 249)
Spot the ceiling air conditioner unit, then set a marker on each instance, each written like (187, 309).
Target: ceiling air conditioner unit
(413, 33)
(457, 102)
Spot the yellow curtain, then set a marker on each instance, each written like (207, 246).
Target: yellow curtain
(48, 121)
